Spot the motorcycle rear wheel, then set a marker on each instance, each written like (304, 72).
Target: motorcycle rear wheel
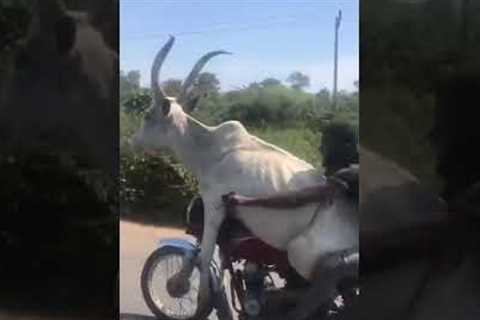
(157, 307)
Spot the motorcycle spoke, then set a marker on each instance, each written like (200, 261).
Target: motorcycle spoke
(181, 307)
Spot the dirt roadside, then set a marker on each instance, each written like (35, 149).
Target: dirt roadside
(136, 243)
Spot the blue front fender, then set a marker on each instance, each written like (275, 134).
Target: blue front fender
(191, 249)
(180, 243)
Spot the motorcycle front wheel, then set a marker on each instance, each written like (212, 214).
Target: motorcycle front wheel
(160, 266)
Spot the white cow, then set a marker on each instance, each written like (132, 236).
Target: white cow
(227, 158)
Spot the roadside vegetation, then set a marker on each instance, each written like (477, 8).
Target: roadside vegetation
(59, 229)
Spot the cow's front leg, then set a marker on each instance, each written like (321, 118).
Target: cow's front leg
(213, 217)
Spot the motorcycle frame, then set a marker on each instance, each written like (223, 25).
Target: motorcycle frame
(234, 249)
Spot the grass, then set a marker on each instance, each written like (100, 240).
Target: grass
(298, 140)
(129, 124)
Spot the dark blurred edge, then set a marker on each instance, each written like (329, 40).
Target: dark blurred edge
(58, 177)
(419, 85)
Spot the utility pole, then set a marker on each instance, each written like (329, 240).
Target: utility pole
(338, 19)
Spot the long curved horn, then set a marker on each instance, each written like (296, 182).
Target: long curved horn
(188, 83)
(158, 93)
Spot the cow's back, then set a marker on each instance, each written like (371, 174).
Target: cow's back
(260, 173)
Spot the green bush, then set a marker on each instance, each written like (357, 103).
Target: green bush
(148, 182)
(154, 182)
(137, 102)
(60, 212)
(269, 105)
(14, 21)
(298, 139)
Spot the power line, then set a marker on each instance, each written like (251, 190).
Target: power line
(228, 26)
(201, 32)
(217, 25)
(223, 28)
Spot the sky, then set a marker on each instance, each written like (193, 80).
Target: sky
(268, 38)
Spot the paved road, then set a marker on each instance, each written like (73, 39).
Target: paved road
(136, 244)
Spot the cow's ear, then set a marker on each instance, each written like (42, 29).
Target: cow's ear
(65, 34)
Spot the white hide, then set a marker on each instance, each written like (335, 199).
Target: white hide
(265, 169)
(392, 197)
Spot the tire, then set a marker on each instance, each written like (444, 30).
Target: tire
(156, 256)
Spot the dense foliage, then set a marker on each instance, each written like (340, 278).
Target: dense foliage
(59, 222)
(149, 182)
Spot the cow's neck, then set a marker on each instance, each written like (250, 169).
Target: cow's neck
(195, 147)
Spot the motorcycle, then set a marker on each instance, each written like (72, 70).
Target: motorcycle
(261, 281)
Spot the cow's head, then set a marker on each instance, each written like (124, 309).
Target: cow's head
(64, 49)
(166, 120)
(63, 86)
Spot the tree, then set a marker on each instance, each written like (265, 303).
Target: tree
(298, 80)
(270, 82)
(172, 87)
(208, 83)
(129, 83)
(322, 98)
(254, 86)
(133, 77)
(137, 102)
